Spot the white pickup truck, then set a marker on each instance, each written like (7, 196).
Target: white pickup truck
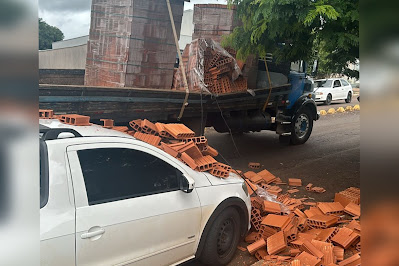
(109, 199)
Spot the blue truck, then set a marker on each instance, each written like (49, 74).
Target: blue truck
(287, 107)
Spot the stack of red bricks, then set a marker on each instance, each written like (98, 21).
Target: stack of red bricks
(211, 68)
(291, 231)
(213, 21)
(178, 141)
(131, 43)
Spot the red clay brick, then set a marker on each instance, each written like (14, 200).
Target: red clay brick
(352, 209)
(210, 151)
(322, 221)
(345, 237)
(252, 248)
(46, 114)
(311, 249)
(271, 207)
(108, 123)
(276, 221)
(308, 259)
(353, 260)
(148, 127)
(276, 243)
(76, 120)
(331, 208)
(179, 131)
(148, 138)
(296, 182)
(253, 165)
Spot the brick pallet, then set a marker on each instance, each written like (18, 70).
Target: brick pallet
(131, 43)
(213, 21)
(211, 68)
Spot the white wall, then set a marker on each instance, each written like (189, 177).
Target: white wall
(187, 29)
(64, 58)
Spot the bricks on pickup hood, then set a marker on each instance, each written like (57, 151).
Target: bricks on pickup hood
(188, 160)
(122, 129)
(204, 163)
(308, 259)
(165, 147)
(179, 131)
(76, 120)
(267, 176)
(107, 123)
(148, 138)
(190, 149)
(353, 260)
(345, 237)
(210, 151)
(296, 182)
(352, 209)
(201, 142)
(161, 131)
(46, 114)
(219, 171)
(148, 127)
(136, 125)
(322, 221)
(278, 222)
(331, 208)
(253, 165)
(276, 243)
(252, 248)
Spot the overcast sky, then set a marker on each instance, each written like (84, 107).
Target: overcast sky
(73, 16)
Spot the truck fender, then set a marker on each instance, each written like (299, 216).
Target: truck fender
(305, 102)
(237, 203)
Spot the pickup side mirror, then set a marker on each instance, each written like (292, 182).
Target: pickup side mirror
(186, 184)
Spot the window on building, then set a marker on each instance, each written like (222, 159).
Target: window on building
(112, 174)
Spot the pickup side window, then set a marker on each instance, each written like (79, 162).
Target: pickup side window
(344, 82)
(112, 174)
(337, 83)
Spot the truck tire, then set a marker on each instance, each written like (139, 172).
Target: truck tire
(302, 126)
(222, 239)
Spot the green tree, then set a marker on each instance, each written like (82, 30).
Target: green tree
(48, 34)
(298, 30)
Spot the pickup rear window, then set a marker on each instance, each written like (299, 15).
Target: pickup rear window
(112, 174)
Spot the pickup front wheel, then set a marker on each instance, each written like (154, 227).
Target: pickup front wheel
(302, 126)
(222, 239)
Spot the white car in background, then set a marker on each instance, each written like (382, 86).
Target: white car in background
(328, 90)
(107, 198)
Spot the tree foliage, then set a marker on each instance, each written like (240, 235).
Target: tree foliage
(297, 30)
(48, 34)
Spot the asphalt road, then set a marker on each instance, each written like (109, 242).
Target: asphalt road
(330, 158)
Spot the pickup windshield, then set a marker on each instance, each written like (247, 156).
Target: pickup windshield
(323, 83)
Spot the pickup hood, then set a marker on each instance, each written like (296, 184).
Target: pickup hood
(216, 181)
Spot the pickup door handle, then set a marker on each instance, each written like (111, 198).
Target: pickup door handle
(92, 234)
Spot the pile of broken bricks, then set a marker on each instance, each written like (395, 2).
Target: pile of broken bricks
(299, 232)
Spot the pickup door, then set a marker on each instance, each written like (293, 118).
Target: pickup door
(129, 209)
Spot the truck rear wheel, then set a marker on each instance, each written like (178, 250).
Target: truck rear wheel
(302, 126)
(222, 239)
